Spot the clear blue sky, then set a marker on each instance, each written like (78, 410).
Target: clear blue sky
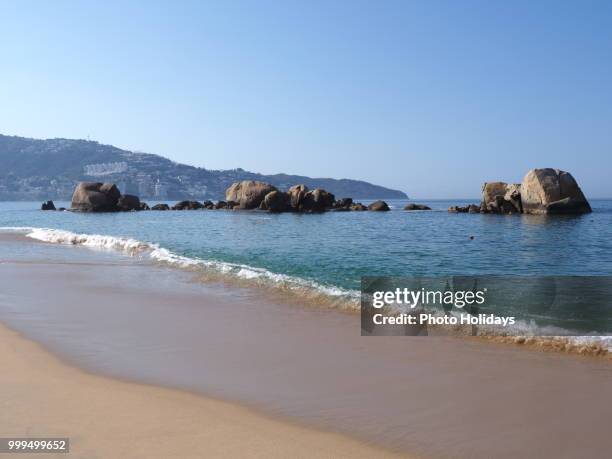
(430, 97)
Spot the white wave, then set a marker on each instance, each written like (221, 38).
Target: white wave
(521, 328)
(260, 275)
(130, 246)
(88, 240)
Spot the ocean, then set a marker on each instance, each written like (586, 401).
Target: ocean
(322, 257)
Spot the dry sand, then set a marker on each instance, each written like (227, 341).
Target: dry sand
(43, 397)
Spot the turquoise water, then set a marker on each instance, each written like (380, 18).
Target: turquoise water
(336, 249)
(324, 256)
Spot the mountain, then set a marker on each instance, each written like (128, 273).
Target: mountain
(34, 169)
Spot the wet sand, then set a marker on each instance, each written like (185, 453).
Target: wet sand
(43, 397)
(436, 397)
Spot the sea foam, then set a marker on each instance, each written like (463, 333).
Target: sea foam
(309, 290)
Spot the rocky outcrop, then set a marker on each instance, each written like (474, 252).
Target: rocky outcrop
(543, 191)
(317, 201)
(501, 198)
(276, 201)
(128, 202)
(47, 206)
(105, 197)
(343, 204)
(95, 197)
(379, 206)
(412, 206)
(249, 194)
(297, 193)
(188, 205)
(469, 209)
(513, 196)
(552, 191)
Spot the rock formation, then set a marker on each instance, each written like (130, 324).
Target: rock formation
(543, 191)
(188, 205)
(249, 194)
(379, 206)
(317, 201)
(275, 201)
(342, 205)
(552, 191)
(501, 198)
(297, 193)
(412, 206)
(47, 206)
(95, 197)
(106, 197)
(128, 202)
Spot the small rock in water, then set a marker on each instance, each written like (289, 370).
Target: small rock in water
(379, 206)
(413, 206)
(47, 206)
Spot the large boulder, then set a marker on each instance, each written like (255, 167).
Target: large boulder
(317, 200)
(552, 191)
(379, 206)
(275, 201)
(95, 197)
(358, 207)
(128, 202)
(297, 193)
(249, 193)
(161, 206)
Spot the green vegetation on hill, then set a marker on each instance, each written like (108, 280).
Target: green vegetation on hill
(49, 169)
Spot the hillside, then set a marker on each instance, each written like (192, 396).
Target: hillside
(33, 169)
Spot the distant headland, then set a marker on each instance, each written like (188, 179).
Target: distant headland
(34, 169)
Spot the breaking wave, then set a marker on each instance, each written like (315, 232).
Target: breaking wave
(305, 289)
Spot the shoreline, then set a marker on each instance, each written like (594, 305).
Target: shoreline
(280, 287)
(43, 396)
(427, 396)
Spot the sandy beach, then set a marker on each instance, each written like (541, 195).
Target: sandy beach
(42, 397)
(289, 373)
